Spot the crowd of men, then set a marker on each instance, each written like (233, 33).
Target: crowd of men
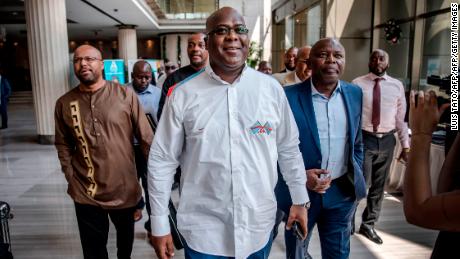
(246, 152)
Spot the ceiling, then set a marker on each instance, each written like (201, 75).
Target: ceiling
(98, 19)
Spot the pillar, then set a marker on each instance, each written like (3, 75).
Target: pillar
(127, 42)
(49, 60)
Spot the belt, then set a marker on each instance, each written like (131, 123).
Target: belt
(379, 134)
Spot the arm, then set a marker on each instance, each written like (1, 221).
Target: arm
(64, 142)
(142, 130)
(358, 144)
(450, 168)
(162, 163)
(291, 164)
(401, 126)
(420, 207)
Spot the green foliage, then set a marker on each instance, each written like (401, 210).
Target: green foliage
(255, 54)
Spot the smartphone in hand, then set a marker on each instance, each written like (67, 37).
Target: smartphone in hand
(298, 231)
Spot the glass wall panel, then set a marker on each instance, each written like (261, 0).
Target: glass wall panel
(313, 25)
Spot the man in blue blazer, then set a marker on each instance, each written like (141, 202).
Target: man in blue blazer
(328, 115)
(5, 92)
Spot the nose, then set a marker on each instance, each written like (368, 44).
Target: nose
(330, 58)
(232, 35)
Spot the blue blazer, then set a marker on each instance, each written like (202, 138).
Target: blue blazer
(300, 100)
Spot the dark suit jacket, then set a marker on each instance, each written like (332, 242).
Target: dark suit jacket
(5, 89)
(300, 100)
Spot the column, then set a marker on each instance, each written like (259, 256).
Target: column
(171, 47)
(49, 60)
(127, 42)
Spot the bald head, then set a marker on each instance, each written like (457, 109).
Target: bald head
(379, 62)
(327, 62)
(88, 65)
(88, 49)
(302, 70)
(227, 43)
(142, 75)
(289, 58)
(215, 18)
(265, 67)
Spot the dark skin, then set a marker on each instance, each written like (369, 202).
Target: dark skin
(227, 57)
(142, 75)
(302, 70)
(290, 58)
(327, 63)
(265, 67)
(228, 53)
(379, 62)
(88, 67)
(196, 51)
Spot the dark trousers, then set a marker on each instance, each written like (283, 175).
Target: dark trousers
(141, 166)
(378, 155)
(4, 114)
(93, 224)
(332, 213)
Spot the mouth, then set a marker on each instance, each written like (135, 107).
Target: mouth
(232, 49)
(85, 72)
(330, 71)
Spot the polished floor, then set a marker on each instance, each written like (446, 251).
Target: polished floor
(44, 223)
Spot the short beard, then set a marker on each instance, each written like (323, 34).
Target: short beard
(87, 81)
(198, 64)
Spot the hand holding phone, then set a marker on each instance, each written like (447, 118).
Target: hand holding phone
(297, 230)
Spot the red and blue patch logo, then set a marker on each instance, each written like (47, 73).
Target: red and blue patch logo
(259, 129)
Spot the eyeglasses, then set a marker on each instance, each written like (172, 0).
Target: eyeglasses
(225, 30)
(170, 67)
(86, 59)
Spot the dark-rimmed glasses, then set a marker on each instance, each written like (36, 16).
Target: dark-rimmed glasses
(223, 30)
(78, 60)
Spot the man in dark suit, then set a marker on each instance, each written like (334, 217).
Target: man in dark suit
(328, 115)
(5, 92)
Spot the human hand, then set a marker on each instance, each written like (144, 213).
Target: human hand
(403, 157)
(424, 116)
(314, 182)
(163, 246)
(298, 214)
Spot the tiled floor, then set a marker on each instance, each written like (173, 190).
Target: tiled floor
(44, 224)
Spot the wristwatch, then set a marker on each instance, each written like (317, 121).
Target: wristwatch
(406, 150)
(305, 205)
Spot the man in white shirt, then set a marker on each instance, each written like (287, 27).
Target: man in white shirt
(384, 109)
(227, 126)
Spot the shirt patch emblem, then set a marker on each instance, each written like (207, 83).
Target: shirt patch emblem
(258, 129)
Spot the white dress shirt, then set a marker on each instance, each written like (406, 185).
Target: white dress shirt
(227, 138)
(392, 105)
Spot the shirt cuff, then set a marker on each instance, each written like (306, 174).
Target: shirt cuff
(299, 194)
(160, 225)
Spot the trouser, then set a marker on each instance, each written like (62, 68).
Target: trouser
(142, 171)
(4, 114)
(93, 224)
(331, 213)
(261, 254)
(378, 155)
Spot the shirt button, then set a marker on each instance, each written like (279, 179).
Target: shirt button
(92, 106)
(95, 120)
(98, 134)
